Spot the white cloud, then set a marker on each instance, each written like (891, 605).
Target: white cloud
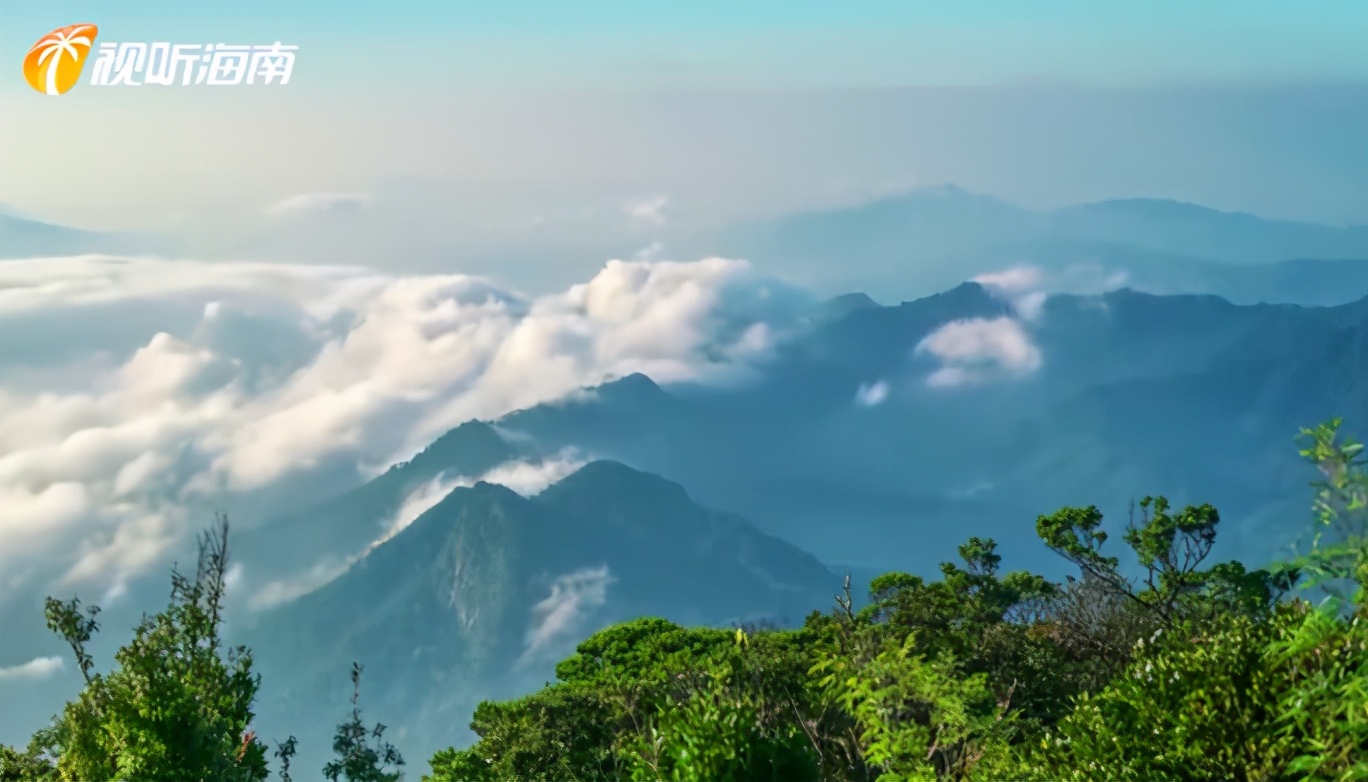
(161, 386)
(650, 211)
(1020, 286)
(530, 478)
(527, 478)
(871, 394)
(285, 590)
(320, 202)
(37, 668)
(650, 252)
(1026, 288)
(978, 350)
(560, 616)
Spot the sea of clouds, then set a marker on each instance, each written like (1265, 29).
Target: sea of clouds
(130, 387)
(136, 392)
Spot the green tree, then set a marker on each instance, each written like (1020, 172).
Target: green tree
(1190, 671)
(728, 719)
(24, 766)
(176, 706)
(566, 731)
(357, 760)
(1272, 698)
(1338, 552)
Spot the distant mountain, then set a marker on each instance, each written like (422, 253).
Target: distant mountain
(21, 237)
(484, 592)
(1196, 231)
(933, 238)
(1122, 375)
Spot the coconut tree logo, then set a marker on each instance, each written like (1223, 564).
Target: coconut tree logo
(54, 64)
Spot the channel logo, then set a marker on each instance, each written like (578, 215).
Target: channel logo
(54, 64)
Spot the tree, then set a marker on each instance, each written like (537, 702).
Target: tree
(1255, 698)
(176, 706)
(1189, 671)
(357, 760)
(1171, 548)
(28, 766)
(1339, 541)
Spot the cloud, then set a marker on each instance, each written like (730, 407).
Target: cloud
(524, 477)
(650, 252)
(306, 203)
(649, 211)
(978, 350)
(37, 668)
(871, 394)
(135, 391)
(1026, 288)
(530, 478)
(287, 589)
(560, 616)
(1020, 286)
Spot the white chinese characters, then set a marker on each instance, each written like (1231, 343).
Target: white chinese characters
(162, 63)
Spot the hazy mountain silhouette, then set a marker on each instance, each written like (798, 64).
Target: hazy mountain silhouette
(931, 238)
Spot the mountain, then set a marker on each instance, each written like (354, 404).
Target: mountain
(329, 533)
(484, 592)
(933, 238)
(21, 237)
(1187, 229)
(1121, 375)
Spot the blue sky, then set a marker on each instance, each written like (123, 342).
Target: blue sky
(483, 117)
(791, 44)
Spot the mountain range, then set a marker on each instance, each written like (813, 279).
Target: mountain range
(444, 607)
(485, 591)
(1154, 348)
(23, 237)
(931, 238)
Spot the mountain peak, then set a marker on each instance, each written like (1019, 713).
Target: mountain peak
(846, 303)
(471, 448)
(969, 298)
(633, 387)
(608, 478)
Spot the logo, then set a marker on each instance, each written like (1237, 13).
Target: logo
(54, 64)
(160, 63)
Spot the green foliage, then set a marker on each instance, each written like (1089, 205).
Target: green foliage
(357, 760)
(1171, 548)
(1188, 672)
(563, 732)
(26, 766)
(175, 707)
(918, 719)
(1339, 540)
(285, 752)
(1253, 699)
(644, 650)
(726, 722)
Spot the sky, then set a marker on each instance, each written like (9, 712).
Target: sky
(474, 135)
